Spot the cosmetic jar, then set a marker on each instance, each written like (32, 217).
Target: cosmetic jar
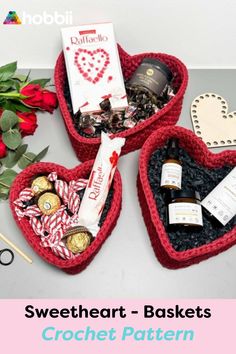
(152, 75)
(184, 208)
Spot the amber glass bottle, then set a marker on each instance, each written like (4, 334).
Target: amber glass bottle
(171, 173)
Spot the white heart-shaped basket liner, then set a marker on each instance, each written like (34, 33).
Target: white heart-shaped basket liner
(211, 121)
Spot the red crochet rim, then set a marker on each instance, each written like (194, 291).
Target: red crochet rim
(199, 151)
(82, 171)
(60, 67)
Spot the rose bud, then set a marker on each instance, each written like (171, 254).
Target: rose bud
(3, 148)
(27, 122)
(39, 98)
(34, 95)
(49, 101)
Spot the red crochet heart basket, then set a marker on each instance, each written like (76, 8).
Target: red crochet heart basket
(162, 247)
(79, 263)
(86, 148)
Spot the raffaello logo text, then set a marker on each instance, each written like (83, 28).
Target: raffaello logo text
(46, 18)
(88, 37)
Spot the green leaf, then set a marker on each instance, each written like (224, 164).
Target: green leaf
(7, 178)
(12, 138)
(14, 106)
(7, 71)
(8, 120)
(8, 105)
(18, 106)
(41, 155)
(41, 82)
(19, 77)
(4, 196)
(20, 151)
(4, 193)
(26, 160)
(17, 85)
(10, 160)
(7, 85)
(27, 77)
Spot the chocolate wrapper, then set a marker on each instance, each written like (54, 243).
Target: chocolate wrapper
(100, 181)
(52, 228)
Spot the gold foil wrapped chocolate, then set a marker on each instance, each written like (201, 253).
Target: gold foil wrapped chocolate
(49, 203)
(78, 239)
(41, 184)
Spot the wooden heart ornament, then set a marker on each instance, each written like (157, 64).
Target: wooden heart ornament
(211, 121)
(77, 264)
(159, 236)
(92, 64)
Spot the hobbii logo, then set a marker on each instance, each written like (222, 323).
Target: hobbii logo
(46, 18)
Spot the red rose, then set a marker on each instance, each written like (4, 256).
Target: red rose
(34, 95)
(49, 102)
(3, 148)
(27, 123)
(39, 98)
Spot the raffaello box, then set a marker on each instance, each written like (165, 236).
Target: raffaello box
(93, 67)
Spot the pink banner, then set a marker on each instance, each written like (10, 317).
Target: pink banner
(89, 326)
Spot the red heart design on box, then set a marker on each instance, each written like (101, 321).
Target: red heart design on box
(161, 244)
(92, 64)
(79, 263)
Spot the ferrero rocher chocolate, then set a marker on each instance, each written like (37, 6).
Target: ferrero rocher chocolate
(41, 184)
(49, 203)
(78, 239)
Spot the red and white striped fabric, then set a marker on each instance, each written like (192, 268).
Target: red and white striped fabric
(20, 214)
(51, 228)
(32, 210)
(67, 192)
(37, 226)
(57, 246)
(24, 196)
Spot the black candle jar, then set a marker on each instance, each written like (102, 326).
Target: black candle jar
(152, 75)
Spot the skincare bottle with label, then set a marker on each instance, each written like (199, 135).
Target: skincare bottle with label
(184, 209)
(171, 173)
(220, 203)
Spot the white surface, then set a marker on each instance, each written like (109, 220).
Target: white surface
(126, 266)
(199, 32)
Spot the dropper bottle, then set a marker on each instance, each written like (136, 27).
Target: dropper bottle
(171, 174)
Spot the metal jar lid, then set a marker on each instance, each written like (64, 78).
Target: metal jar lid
(187, 193)
(160, 66)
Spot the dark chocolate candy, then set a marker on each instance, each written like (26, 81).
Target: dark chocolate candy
(105, 105)
(142, 105)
